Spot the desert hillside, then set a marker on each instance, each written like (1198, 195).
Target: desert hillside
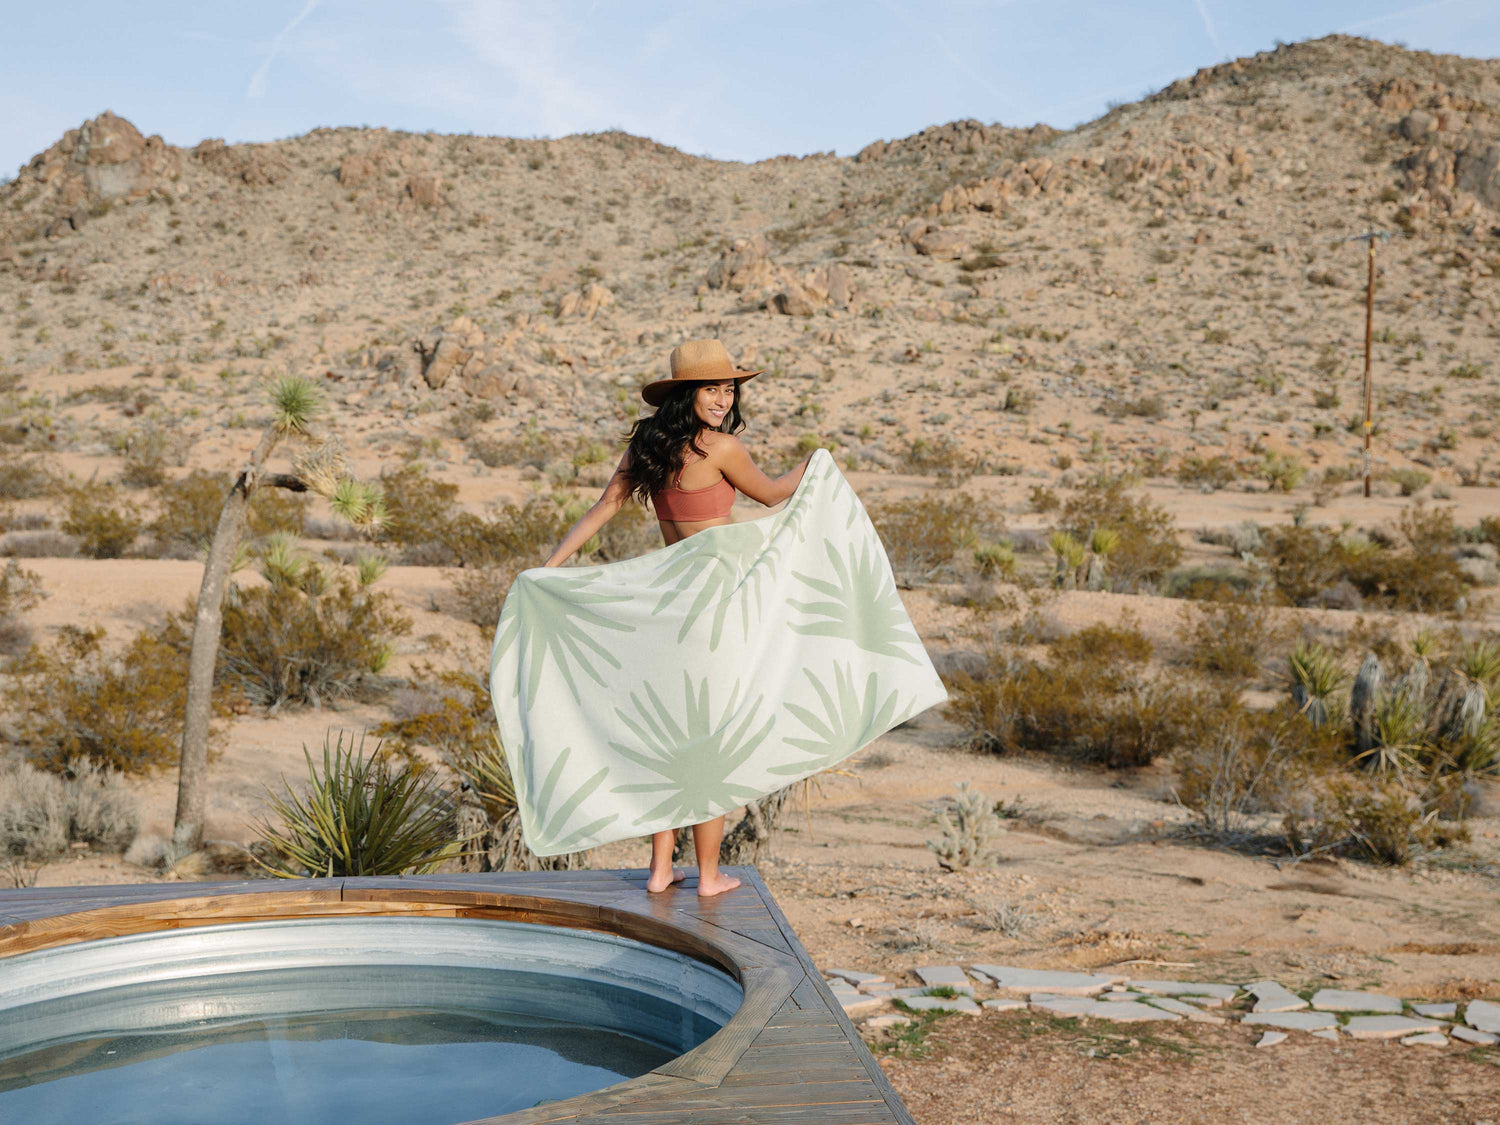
(1100, 390)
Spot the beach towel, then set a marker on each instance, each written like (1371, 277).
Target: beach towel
(664, 690)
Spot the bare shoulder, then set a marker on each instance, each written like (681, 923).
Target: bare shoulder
(720, 445)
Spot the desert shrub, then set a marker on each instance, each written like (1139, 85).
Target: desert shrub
(358, 815)
(941, 454)
(23, 479)
(1206, 474)
(1241, 768)
(924, 536)
(966, 835)
(1281, 472)
(304, 637)
(20, 591)
(1415, 573)
(1147, 546)
(1090, 700)
(1044, 499)
(38, 545)
(72, 701)
(1230, 636)
(41, 813)
(147, 451)
(631, 532)
(480, 592)
(1210, 583)
(1380, 819)
(451, 714)
(1409, 481)
(417, 506)
(189, 508)
(103, 522)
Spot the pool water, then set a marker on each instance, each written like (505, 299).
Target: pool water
(369, 1037)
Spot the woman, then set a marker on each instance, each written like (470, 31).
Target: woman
(686, 459)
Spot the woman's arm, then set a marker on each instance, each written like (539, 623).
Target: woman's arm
(743, 473)
(616, 492)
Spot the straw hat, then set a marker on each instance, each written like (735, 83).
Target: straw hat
(694, 361)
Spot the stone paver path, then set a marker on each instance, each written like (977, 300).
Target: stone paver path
(1332, 1013)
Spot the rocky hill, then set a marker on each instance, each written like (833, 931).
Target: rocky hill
(1168, 281)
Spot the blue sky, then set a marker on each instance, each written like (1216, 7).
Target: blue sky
(734, 80)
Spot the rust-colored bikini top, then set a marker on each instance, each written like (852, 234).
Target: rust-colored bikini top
(692, 504)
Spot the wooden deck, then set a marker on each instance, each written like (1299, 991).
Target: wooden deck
(789, 1054)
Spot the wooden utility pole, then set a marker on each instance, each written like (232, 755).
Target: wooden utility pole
(1370, 237)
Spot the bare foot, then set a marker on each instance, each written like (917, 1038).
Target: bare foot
(707, 888)
(658, 883)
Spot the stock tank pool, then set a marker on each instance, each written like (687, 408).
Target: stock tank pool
(374, 1019)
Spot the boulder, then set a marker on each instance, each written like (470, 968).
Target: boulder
(942, 244)
(424, 189)
(745, 265)
(355, 170)
(252, 165)
(794, 300)
(1416, 125)
(447, 351)
(585, 302)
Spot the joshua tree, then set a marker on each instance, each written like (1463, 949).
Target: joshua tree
(295, 404)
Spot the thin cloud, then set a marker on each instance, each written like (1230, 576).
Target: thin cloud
(1208, 25)
(259, 80)
(1399, 13)
(959, 63)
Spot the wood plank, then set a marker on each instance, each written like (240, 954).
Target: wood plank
(815, 979)
(765, 991)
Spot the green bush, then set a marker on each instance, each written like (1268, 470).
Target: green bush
(24, 479)
(73, 701)
(104, 522)
(924, 536)
(1207, 474)
(1230, 636)
(305, 638)
(1147, 547)
(189, 507)
(1090, 700)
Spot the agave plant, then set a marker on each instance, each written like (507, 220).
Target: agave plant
(1480, 662)
(359, 816)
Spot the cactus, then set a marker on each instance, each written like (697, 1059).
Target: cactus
(967, 833)
(1362, 703)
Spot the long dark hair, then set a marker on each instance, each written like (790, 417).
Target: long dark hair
(659, 442)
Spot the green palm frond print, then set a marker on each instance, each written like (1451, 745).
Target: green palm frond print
(693, 753)
(847, 722)
(552, 822)
(659, 691)
(719, 583)
(552, 618)
(861, 606)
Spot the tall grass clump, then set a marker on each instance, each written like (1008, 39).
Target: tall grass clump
(358, 815)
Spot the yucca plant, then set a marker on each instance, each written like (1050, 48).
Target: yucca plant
(1070, 555)
(484, 769)
(1362, 699)
(1400, 735)
(295, 405)
(995, 560)
(1315, 674)
(1480, 662)
(359, 816)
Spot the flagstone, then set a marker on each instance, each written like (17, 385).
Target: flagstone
(853, 977)
(1040, 980)
(1004, 1005)
(1436, 1011)
(1426, 1039)
(1186, 1011)
(1469, 1035)
(1185, 988)
(1348, 1000)
(950, 975)
(1294, 1021)
(1272, 997)
(1387, 1027)
(1271, 1038)
(1484, 1015)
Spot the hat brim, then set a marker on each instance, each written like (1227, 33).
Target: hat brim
(655, 392)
